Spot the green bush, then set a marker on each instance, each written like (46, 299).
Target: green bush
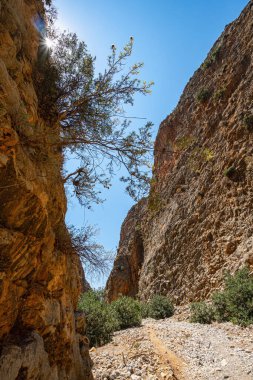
(230, 172)
(145, 309)
(213, 56)
(220, 307)
(160, 307)
(219, 94)
(128, 312)
(235, 302)
(155, 202)
(101, 318)
(203, 95)
(201, 313)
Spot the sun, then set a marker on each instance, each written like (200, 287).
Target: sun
(49, 43)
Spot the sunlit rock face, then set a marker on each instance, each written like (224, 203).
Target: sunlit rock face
(198, 219)
(40, 280)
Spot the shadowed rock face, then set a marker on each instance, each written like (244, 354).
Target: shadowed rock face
(198, 218)
(40, 279)
(124, 279)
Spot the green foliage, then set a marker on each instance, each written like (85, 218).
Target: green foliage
(201, 313)
(90, 111)
(101, 318)
(216, 53)
(160, 307)
(208, 154)
(145, 309)
(128, 312)
(184, 142)
(219, 94)
(220, 307)
(104, 319)
(203, 95)
(230, 172)
(235, 303)
(213, 57)
(154, 202)
(248, 122)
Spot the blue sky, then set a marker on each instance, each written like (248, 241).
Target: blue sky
(172, 38)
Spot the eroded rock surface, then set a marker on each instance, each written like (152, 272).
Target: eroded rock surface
(124, 278)
(198, 217)
(40, 278)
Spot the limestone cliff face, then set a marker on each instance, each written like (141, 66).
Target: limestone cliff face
(124, 278)
(41, 337)
(199, 215)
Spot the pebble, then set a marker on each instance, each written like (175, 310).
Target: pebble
(205, 352)
(135, 377)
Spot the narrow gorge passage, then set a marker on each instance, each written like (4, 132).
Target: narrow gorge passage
(75, 136)
(176, 350)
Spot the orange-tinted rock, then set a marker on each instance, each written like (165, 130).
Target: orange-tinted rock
(199, 214)
(124, 278)
(40, 281)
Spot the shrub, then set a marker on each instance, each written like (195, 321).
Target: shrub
(220, 307)
(216, 53)
(101, 318)
(219, 94)
(208, 154)
(145, 309)
(154, 202)
(248, 122)
(213, 56)
(128, 312)
(160, 307)
(235, 302)
(230, 172)
(201, 313)
(184, 142)
(203, 95)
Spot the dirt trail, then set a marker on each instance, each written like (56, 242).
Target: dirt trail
(134, 354)
(167, 356)
(174, 350)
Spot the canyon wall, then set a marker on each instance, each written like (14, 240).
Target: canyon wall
(198, 218)
(41, 335)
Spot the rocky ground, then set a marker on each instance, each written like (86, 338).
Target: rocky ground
(171, 349)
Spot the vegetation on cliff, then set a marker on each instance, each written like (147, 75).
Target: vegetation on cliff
(90, 110)
(86, 112)
(234, 303)
(94, 257)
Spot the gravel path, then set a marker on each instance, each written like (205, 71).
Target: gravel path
(177, 350)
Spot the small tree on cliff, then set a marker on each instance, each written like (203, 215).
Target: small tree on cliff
(90, 111)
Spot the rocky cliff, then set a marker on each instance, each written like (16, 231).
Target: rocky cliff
(197, 220)
(41, 336)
